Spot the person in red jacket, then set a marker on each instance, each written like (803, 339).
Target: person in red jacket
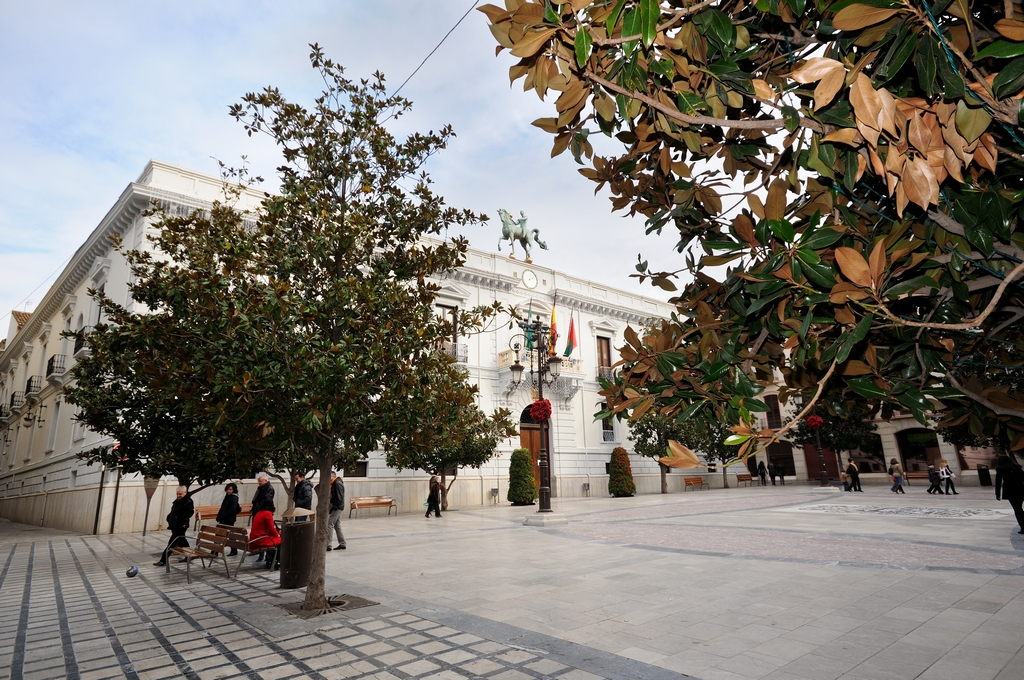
(264, 534)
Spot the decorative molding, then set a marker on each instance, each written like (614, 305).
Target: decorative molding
(484, 279)
(574, 301)
(100, 269)
(605, 325)
(67, 308)
(452, 291)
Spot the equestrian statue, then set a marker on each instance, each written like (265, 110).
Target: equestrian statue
(512, 231)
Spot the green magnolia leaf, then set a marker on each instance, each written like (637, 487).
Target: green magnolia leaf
(783, 230)
(736, 439)
(792, 118)
(820, 238)
(1009, 80)
(867, 388)
(650, 12)
(613, 18)
(911, 286)
(1002, 49)
(973, 121)
(582, 45)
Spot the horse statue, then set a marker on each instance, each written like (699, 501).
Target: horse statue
(512, 231)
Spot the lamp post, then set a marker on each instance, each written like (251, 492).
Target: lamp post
(548, 369)
(815, 422)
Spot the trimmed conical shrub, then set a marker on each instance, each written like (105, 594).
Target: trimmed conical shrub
(522, 490)
(620, 476)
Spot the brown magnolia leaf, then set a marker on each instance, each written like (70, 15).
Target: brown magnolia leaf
(845, 136)
(844, 292)
(1011, 29)
(876, 162)
(775, 208)
(756, 207)
(853, 266)
(1006, 401)
(854, 17)
(845, 316)
(532, 42)
(493, 12)
(876, 263)
(791, 342)
(784, 272)
(862, 165)
(918, 134)
(920, 183)
(547, 124)
(763, 90)
(948, 343)
(887, 113)
(814, 69)
(866, 103)
(901, 199)
(681, 454)
(500, 33)
(871, 356)
(828, 86)
(855, 367)
(744, 228)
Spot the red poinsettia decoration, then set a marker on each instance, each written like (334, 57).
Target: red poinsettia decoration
(814, 422)
(540, 410)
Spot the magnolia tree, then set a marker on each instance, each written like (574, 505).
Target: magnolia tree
(857, 167)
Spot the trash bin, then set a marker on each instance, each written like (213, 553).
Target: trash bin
(984, 477)
(298, 529)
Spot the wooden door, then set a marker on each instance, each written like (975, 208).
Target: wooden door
(529, 438)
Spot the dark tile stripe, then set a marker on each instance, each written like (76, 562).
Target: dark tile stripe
(230, 656)
(122, 657)
(18, 658)
(70, 664)
(7, 564)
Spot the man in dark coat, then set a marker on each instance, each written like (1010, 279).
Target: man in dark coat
(337, 508)
(264, 492)
(303, 495)
(178, 518)
(1010, 485)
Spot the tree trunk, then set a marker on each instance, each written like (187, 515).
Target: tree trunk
(725, 476)
(289, 487)
(664, 477)
(446, 487)
(316, 596)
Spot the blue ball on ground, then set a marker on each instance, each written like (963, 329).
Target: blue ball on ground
(132, 572)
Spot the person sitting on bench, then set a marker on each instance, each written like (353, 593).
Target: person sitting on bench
(265, 536)
(178, 518)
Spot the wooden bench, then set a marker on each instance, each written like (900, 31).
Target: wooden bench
(209, 512)
(358, 503)
(211, 544)
(744, 478)
(694, 481)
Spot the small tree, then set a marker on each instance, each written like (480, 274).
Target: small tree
(650, 435)
(840, 433)
(620, 478)
(522, 489)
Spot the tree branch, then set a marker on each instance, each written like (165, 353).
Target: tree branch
(675, 114)
(974, 396)
(969, 323)
(676, 16)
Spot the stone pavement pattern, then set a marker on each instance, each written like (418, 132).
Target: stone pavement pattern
(734, 584)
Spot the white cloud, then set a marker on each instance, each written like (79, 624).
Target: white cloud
(93, 90)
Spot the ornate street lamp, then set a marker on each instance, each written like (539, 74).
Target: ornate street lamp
(814, 422)
(548, 370)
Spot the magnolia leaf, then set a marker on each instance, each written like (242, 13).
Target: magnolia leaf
(828, 86)
(532, 42)
(775, 208)
(582, 45)
(845, 136)
(876, 262)
(736, 439)
(1011, 29)
(920, 183)
(815, 69)
(1002, 49)
(853, 266)
(763, 90)
(853, 17)
(866, 104)
(971, 122)
(855, 367)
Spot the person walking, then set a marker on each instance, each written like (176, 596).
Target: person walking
(264, 492)
(853, 473)
(229, 509)
(896, 472)
(178, 518)
(762, 473)
(1010, 485)
(772, 472)
(264, 535)
(946, 474)
(933, 480)
(434, 497)
(337, 508)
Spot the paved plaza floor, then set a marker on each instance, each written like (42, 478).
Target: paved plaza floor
(763, 582)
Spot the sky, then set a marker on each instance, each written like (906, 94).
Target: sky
(92, 91)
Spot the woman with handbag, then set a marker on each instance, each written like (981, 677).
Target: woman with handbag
(947, 474)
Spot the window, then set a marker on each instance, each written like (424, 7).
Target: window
(51, 440)
(607, 428)
(357, 469)
(774, 414)
(604, 358)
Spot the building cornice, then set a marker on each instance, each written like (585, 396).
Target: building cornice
(605, 309)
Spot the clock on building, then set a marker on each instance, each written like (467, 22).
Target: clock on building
(529, 279)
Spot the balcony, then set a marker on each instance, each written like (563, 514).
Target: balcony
(4, 412)
(17, 400)
(457, 350)
(605, 372)
(33, 385)
(608, 435)
(56, 365)
(81, 349)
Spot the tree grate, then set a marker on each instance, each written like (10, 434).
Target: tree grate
(336, 603)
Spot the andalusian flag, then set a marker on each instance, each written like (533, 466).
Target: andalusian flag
(554, 334)
(529, 335)
(570, 345)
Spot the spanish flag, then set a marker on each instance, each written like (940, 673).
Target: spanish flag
(554, 334)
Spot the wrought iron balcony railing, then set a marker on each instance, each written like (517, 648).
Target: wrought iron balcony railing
(17, 400)
(458, 350)
(608, 435)
(56, 365)
(33, 385)
(605, 372)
